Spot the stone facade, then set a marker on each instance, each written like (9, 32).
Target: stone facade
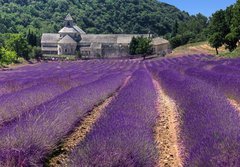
(71, 39)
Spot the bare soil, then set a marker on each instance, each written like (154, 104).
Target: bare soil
(235, 104)
(195, 48)
(167, 131)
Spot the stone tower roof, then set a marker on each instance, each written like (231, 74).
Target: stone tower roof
(67, 40)
(69, 17)
(67, 30)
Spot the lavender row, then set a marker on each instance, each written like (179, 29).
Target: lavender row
(210, 127)
(14, 85)
(123, 136)
(229, 84)
(40, 70)
(226, 69)
(28, 140)
(15, 104)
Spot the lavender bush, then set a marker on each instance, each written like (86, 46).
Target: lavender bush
(124, 134)
(30, 138)
(210, 128)
(15, 104)
(225, 82)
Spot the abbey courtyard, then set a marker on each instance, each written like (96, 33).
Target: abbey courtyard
(72, 40)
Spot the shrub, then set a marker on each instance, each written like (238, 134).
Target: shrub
(7, 57)
(36, 53)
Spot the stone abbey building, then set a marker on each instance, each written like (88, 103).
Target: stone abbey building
(71, 40)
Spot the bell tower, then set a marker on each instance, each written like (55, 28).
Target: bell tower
(69, 21)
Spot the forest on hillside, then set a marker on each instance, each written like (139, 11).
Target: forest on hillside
(93, 16)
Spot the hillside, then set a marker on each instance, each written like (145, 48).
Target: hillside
(194, 48)
(204, 47)
(94, 16)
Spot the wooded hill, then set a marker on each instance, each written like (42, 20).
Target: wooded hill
(93, 16)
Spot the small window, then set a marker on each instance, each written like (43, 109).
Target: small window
(68, 24)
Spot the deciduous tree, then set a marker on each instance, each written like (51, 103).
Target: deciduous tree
(218, 29)
(19, 44)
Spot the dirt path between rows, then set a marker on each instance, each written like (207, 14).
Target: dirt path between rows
(235, 104)
(81, 131)
(167, 131)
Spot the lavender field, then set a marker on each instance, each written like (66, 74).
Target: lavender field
(182, 111)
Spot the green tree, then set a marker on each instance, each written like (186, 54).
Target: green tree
(192, 30)
(231, 40)
(144, 46)
(218, 29)
(19, 44)
(216, 41)
(176, 41)
(235, 27)
(141, 45)
(36, 53)
(175, 29)
(31, 38)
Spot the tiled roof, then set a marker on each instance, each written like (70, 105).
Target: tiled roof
(79, 29)
(67, 40)
(109, 38)
(99, 38)
(159, 41)
(68, 30)
(127, 38)
(50, 38)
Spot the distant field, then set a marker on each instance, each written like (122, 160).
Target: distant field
(181, 111)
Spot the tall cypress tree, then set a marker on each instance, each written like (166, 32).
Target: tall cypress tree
(175, 29)
(133, 46)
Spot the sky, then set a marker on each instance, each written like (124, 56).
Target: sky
(206, 7)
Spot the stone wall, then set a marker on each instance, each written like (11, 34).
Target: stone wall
(114, 51)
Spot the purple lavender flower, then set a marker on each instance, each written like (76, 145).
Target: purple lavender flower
(210, 128)
(46, 125)
(123, 136)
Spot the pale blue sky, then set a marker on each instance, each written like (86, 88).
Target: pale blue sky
(206, 7)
